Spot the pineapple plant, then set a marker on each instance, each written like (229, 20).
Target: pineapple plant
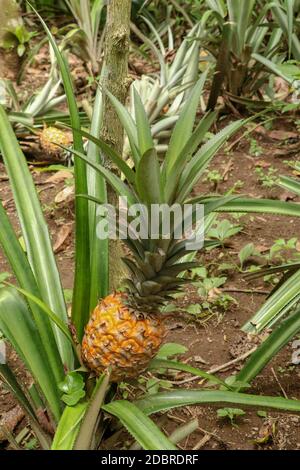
(126, 329)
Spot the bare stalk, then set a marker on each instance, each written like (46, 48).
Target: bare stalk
(115, 79)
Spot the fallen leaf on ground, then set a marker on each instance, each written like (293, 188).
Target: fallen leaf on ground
(283, 135)
(66, 195)
(262, 248)
(199, 359)
(266, 433)
(62, 237)
(258, 129)
(263, 164)
(60, 176)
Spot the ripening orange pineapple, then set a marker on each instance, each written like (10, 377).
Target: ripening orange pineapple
(121, 337)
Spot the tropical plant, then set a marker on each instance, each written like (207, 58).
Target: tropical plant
(251, 45)
(17, 37)
(286, 294)
(14, 34)
(148, 284)
(34, 118)
(280, 311)
(163, 95)
(65, 398)
(84, 37)
(38, 107)
(34, 331)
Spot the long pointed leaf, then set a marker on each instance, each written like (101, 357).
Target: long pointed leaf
(143, 128)
(128, 124)
(88, 426)
(177, 398)
(68, 427)
(81, 293)
(116, 183)
(265, 206)
(34, 230)
(17, 326)
(139, 425)
(22, 270)
(270, 347)
(184, 126)
(99, 249)
(184, 156)
(284, 297)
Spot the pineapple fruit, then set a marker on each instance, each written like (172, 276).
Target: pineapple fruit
(126, 329)
(120, 337)
(49, 138)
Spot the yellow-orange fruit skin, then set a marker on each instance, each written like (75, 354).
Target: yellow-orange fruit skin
(119, 338)
(49, 137)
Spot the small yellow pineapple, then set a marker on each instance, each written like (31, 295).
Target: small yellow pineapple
(50, 137)
(119, 337)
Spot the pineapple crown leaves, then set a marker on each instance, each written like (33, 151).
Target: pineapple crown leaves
(172, 181)
(157, 263)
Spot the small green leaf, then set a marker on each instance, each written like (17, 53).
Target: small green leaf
(72, 383)
(170, 350)
(21, 50)
(74, 398)
(169, 308)
(194, 309)
(73, 388)
(230, 413)
(246, 252)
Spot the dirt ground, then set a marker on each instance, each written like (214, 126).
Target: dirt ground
(218, 339)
